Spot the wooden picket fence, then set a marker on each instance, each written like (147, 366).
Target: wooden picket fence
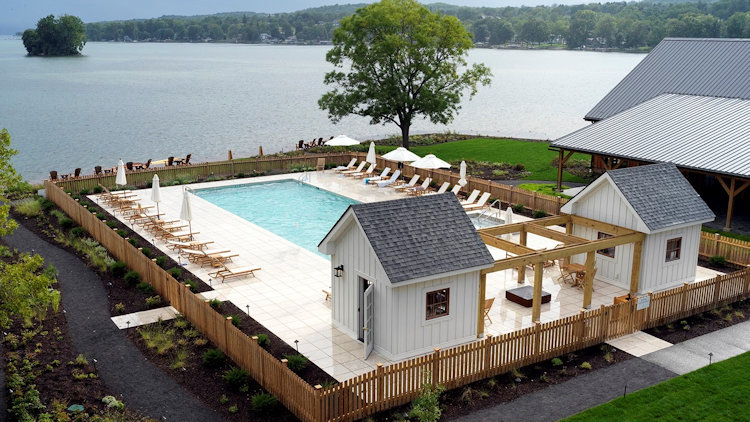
(400, 383)
(734, 251)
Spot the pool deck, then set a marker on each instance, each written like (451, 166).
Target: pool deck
(286, 295)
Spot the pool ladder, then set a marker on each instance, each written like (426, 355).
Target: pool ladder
(491, 208)
(304, 178)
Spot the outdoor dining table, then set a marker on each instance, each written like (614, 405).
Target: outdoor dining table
(579, 270)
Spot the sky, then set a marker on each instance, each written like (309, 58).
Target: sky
(18, 15)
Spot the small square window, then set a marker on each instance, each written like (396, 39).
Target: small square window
(673, 249)
(437, 303)
(610, 252)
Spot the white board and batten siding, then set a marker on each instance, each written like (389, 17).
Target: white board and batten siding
(661, 274)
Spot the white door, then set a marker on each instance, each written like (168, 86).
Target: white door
(367, 328)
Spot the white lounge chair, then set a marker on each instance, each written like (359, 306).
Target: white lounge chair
(480, 204)
(393, 178)
(383, 176)
(419, 190)
(411, 183)
(456, 189)
(357, 170)
(473, 197)
(346, 167)
(443, 189)
(363, 173)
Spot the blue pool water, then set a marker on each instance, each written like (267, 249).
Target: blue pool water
(298, 212)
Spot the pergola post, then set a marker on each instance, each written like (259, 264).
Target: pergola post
(480, 306)
(636, 270)
(732, 191)
(588, 282)
(522, 269)
(568, 231)
(536, 309)
(561, 160)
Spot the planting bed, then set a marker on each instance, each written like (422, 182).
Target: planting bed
(704, 323)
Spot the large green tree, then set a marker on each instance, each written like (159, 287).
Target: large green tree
(395, 61)
(65, 36)
(9, 178)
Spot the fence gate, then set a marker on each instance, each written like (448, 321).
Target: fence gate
(621, 319)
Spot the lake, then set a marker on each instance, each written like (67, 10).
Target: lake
(143, 100)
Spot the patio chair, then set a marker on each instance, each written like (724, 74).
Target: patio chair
(413, 181)
(170, 161)
(473, 197)
(374, 179)
(77, 173)
(227, 272)
(97, 170)
(346, 167)
(443, 189)
(419, 190)
(328, 295)
(300, 144)
(394, 177)
(487, 306)
(581, 279)
(362, 174)
(357, 170)
(321, 164)
(456, 189)
(566, 274)
(52, 175)
(482, 203)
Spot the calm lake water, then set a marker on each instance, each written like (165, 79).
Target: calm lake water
(140, 101)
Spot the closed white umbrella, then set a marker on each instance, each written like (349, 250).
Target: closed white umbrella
(120, 179)
(342, 141)
(429, 161)
(402, 155)
(186, 212)
(463, 181)
(509, 219)
(371, 157)
(156, 193)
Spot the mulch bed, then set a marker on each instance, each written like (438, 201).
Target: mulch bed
(509, 386)
(700, 324)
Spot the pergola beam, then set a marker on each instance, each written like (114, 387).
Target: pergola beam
(599, 225)
(516, 227)
(554, 235)
(505, 245)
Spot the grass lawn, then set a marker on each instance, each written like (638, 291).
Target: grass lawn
(545, 188)
(716, 392)
(739, 236)
(534, 155)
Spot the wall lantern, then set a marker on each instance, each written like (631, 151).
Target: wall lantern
(338, 271)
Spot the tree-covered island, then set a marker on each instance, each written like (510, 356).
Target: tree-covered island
(64, 36)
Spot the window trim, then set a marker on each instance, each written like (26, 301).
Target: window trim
(678, 250)
(447, 303)
(603, 252)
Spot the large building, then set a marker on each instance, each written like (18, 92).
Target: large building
(687, 103)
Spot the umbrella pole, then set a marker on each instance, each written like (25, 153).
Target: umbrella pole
(190, 227)
(157, 211)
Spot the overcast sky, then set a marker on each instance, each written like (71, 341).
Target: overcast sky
(17, 15)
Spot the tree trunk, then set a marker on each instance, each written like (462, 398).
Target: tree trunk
(405, 135)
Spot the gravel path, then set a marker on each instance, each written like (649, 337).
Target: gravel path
(120, 365)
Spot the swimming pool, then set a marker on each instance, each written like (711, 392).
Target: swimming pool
(296, 211)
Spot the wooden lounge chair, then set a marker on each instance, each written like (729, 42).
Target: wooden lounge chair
(443, 189)
(364, 173)
(394, 177)
(227, 272)
(375, 179)
(346, 167)
(215, 257)
(473, 197)
(419, 190)
(456, 189)
(178, 235)
(347, 172)
(482, 203)
(412, 182)
(487, 306)
(178, 246)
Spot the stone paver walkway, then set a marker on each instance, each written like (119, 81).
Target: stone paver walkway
(144, 317)
(639, 343)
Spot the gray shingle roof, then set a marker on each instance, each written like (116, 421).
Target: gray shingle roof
(660, 195)
(702, 133)
(697, 66)
(423, 236)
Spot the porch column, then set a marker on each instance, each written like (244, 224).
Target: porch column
(636, 270)
(568, 231)
(732, 191)
(560, 169)
(536, 309)
(480, 306)
(588, 283)
(522, 269)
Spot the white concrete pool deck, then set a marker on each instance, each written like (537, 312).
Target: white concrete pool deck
(286, 295)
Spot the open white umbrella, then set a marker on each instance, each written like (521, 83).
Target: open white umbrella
(402, 155)
(120, 179)
(371, 157)
(186, 212)
(342, 141)
(156, 193)
(429, 161)
(463, 181)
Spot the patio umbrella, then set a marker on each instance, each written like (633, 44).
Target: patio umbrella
(371, 157)
(463, 181)
(402, 155)
(156, 193)
(429, 161)
(342, 141)
(186, 212)
(120, 179)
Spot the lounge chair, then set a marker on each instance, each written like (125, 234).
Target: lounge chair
(456, 189)
(364, 173)
(394, 177)
(473, 197)
(178, 235)
(357, 170)
(482, 203)
(443, 189)
(227, 272)
(383, 176)
(411, 183)
(215, 257)
(346, 167)
(178, 246)
(419, 190)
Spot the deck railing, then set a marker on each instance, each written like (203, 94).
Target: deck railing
(400, 383)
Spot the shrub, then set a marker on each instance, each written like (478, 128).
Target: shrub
(175, 272)
(557, 362)
(426, 407)
(214, 303)
(99, 216)
(224, 399)
(133, 241)
(214, 358)
(122, 233)
(233, 409)
(718, 260)
(145, 287)
(161, 260)
(153, 301)
(539, 214)
(235, 319)
(518, 208)
(118, 269)
(119, 308)
(263, 340)
(240, 175)
(236, 378)
(83, 192)
(146, 251)
(29, 208)
(46, 204)
(97, 189)
(77, 231)
(113, 403)
(585, 365)
(132, 278)
(111, 224)
(519, 167)
(296, 362)
(66, 222)
(264, 403)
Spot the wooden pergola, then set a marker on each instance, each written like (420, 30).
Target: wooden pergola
(572, 245)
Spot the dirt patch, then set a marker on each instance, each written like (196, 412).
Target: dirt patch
(725, 268)
(493, 171)
(704, 323)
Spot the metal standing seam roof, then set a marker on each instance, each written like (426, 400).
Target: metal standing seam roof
(422, 236)
(698, 66)
(695, 132)
(661, 196)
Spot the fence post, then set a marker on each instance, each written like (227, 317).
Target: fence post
(604, 323)
(559, 205)
(716, 244)
(380, 386)
(227, 324)
(717, 289)
(537, 337)
(436, 367)
(747, 281)
(581, 326)
(683, 306)
(487, 352)
(647, 323)
(533, 200)
(318, 415)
